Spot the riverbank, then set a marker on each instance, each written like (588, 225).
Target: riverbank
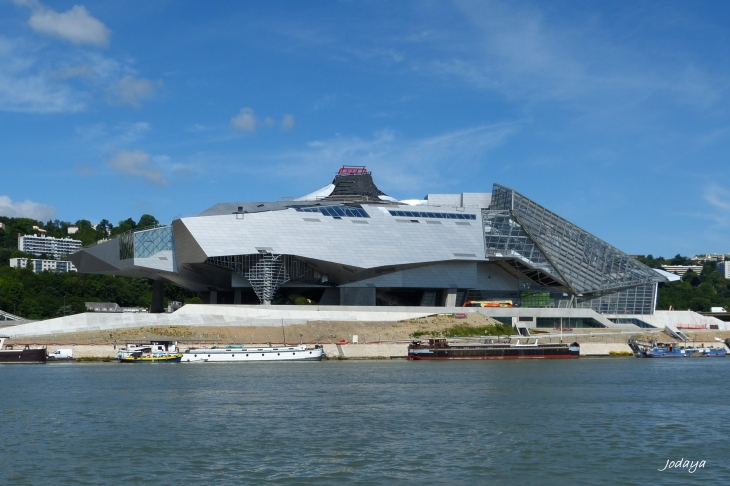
(361, 351)
(342, 339)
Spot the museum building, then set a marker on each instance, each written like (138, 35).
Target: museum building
(350, 244)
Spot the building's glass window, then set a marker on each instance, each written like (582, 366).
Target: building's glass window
(420, 214)
(126, 246)
(147, 243)
(634, 321)
(505, 238)
(634, 300)
(144, 244)
(338, 211)
(567, 323)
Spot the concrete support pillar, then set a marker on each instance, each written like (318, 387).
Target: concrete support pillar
(450, 298)
(331, 296)
(237, 296)
(213, 297)
(158, 297)
(357, 296)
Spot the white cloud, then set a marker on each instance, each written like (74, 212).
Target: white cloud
(73, 72)
(35, 78)
(76, 25)
(131, 91)
(718, 197)
(137, 163)
(288, 122)
(400, 162)
(27, 86)
(131, 132)
(84, 169)
(526, 53)
(245, 120)
(26, 209)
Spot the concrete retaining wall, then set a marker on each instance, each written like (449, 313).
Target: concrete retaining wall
(260, 315)
(684, 319)
(207, 316)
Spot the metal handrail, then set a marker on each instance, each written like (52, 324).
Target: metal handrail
(12, 317)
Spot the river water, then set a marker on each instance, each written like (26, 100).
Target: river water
(585, 421)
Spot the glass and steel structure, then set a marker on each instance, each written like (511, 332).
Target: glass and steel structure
(145, 243)
(267, 271)
(553, 252)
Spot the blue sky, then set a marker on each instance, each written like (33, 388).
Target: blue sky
(612, 114)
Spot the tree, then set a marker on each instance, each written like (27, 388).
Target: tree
(104, 226)
(86, 233)
(124, 226)
(147, 220)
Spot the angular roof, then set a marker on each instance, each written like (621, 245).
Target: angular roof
(581, 260)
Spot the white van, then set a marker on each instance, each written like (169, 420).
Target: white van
(62, 354)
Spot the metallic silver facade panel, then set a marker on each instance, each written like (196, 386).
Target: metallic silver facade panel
(381, 242)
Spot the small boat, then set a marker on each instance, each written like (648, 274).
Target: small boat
(239, 353)
(662, 350)
(674, 350)
(440, 349)
(26, 354)
(153, 352)
(140, 357)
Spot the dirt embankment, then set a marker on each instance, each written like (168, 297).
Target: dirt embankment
(311, 332)
(332, 332)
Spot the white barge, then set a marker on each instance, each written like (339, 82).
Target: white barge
(238, 353)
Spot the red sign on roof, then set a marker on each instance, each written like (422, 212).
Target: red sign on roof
(359, 170)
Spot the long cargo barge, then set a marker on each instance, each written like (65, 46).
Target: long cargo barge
(22, 355)
(440, 349)
(238, 353)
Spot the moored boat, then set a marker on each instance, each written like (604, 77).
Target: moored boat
(139, 357)
(675, 350)
(153, 352)
(26, 354)
(440, 349)
(239, 353)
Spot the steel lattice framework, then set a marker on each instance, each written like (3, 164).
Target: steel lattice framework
(583, 261)
(266, 271)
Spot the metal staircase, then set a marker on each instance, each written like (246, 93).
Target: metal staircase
(267, 275)
(6, 316)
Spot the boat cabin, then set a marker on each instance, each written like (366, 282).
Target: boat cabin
(157, 346)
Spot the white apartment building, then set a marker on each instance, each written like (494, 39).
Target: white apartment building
(38, 245)
(711, 257)
(59, 266)
(682, 269)
(724, 269)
